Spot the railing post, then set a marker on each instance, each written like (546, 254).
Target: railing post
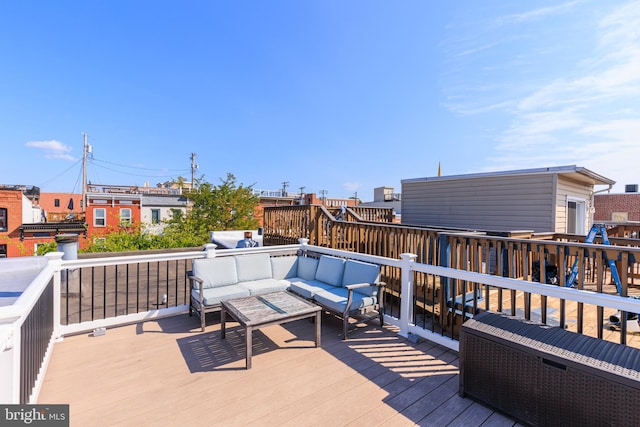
(406, 295)
(55, 261)
(210, 250)
(303, 246)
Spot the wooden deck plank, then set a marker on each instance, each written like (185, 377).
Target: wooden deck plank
(167, 372)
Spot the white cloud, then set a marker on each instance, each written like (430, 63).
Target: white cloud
(590, 115)
(537, 13)
(53, 149)
(351, 186)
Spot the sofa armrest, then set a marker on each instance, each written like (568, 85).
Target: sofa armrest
(200, 285)
(350, 288)
(365, 285)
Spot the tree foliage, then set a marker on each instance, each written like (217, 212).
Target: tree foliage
(228, 206)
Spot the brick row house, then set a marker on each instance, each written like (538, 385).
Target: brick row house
(109, 209)
(24, 224)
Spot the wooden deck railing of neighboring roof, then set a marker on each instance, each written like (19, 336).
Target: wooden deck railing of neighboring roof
(506, 254)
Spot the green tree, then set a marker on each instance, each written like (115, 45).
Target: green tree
(228, 206)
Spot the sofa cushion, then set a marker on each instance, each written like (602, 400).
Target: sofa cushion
(307, 288)
(330, 270)
(253, 267)
(213, 296)
(215, 272)
(307, 268)
(284, 267)
(264, 286)
(336, 299)
(356, 272)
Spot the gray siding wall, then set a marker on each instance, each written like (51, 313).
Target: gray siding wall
(506, 203)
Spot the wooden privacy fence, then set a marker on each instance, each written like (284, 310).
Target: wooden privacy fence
(546, 258)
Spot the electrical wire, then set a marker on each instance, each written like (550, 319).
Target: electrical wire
(138, 167)
(50, 180)
(142, 175)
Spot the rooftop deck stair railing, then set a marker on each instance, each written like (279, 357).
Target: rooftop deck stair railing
(125, 289)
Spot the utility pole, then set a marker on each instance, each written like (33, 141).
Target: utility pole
(323, 196)
(194, 166)
(85, 148)
(301, 195)
(284, 188)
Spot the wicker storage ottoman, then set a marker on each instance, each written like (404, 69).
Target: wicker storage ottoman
(547, 376)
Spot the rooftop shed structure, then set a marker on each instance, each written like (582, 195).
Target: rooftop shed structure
(552, 199)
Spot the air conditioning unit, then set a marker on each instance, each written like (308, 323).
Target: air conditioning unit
(631, 188)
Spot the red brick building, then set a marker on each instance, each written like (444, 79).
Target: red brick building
(110, 210)
(617, 208)
(58, 207)
(23, 226)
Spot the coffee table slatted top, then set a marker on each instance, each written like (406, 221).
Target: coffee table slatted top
(256, 310)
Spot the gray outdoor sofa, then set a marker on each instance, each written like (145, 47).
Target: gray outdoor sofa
(344, 287)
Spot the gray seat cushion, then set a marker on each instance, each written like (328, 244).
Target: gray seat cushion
(263, 286)
(308, 288)
(330, 270)
(216, 272)
(356, 272)
(336, 299)
(307, 268)
(253, 267)
(284, 267)
(213, 296)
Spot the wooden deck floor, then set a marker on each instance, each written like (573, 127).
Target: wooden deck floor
(167, 373)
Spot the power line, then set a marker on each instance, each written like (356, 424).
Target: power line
(50, 180)
(137, 167)
(142, 175)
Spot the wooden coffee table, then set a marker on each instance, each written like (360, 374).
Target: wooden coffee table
(259, 311)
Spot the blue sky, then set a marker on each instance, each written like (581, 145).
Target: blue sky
(341, 96)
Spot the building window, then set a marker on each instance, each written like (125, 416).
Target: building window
(56, 203)
(3, 219)
(155, 216)
(3, 251)
(176, 213)
(99, 217)
(125, 216)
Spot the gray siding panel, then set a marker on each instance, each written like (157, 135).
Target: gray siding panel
(488, 203)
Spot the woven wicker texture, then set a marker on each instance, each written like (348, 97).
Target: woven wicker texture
(545, 375)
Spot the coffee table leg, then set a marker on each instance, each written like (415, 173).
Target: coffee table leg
(223, 319)
(318, 329)
(249, 346)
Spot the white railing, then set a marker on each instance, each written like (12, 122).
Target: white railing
(406, 265)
